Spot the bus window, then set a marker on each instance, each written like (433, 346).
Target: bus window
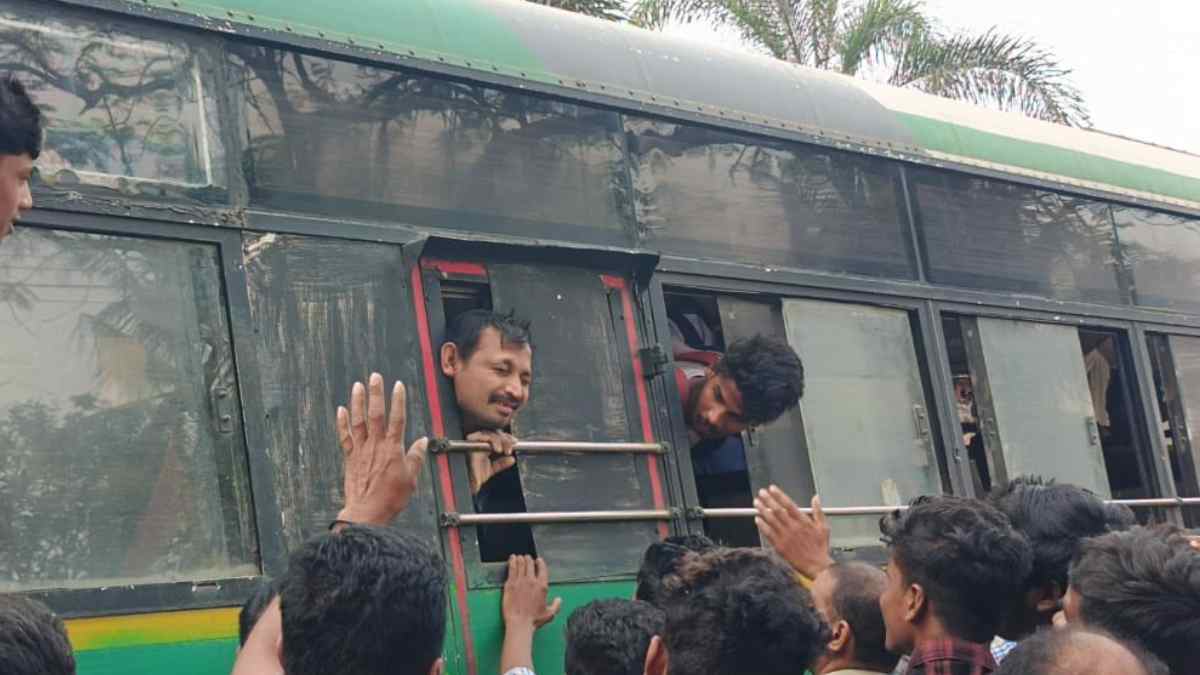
(119, 417)
(1176, 362)
(865, 416)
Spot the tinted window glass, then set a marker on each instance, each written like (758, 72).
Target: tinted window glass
(1163, 250)
(715, 194)
(125, 104)
(343, 138)
(117, 461)
(992, 235)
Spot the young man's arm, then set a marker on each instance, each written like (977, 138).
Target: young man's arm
(525, 610)
(381, 478)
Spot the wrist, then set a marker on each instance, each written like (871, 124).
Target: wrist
(519, 625)
(361, 516)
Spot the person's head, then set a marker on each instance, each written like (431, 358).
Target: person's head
(363, 601)
(756, 381)
(489, 357)
(33, 640)
(1055, 518)
(954, 566)
(662, 560)
(611, 637)
(1076, 652)
(253, 608)
(847, 597)
(1141, 585)
(736, 611)
(20, 144)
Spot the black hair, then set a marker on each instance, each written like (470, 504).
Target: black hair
(739, 611)
(264, 592)
(1070, 651)
(363, 601)
(1055, 518)
(662, 559)
(33, 640)
(611, 637)
(767, 372)
(20, 120)
(856, 590)
(1143, 585)
(465, 330)
(1119, 517)
(967, 557)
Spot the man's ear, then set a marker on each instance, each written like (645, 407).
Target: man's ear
(840, 641)
(438, 667)
(450, 360)
(915, 603)
(656, 657)
(1049, 597)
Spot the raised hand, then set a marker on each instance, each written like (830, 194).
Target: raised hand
(802, 539)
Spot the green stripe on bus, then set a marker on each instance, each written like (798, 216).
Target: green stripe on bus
(967, 142)
(208, 657)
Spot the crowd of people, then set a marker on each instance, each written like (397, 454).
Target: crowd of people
(1036, 577)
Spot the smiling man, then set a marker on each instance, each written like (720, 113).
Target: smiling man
(20, 144)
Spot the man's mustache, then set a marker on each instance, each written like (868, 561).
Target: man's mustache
(505, 400)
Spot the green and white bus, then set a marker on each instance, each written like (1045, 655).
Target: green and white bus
(246, 205)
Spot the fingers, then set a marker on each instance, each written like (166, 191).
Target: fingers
(817, 514)
(343, 429)
(358, 414)
(767, 512)
(541, 571)
(553, 610)
(784, 501)
(767, 531)
(508, 444)
(416, 455)
(375, 406)
(503, 463)
(398, 415)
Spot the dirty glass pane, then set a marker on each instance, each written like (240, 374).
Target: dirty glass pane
(126, 104)
(1163, 251)
(714, 194)
(992, 235)
(354, 140)
(1041, 404)
(116, 465)
(864, 410)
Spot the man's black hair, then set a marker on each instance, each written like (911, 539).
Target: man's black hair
(1143, 585)
(465, 330)
(662, 559)
(1055, 518)
(1065, 651)
(967, 557)
(1119, 517)
(364, 601)
(739, 611)
(767, 372)
(611, 637)
(20, 120)
(856, 590)
(253, 609)
(33, 640)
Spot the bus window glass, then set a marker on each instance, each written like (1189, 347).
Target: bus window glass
(348, 139)
(992, 235)
(128, 109)
(1176, 362)
(1163, 252)
(865, 418)
(119, 465)
(714, 194)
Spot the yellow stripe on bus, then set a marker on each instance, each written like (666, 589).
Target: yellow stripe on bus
(137, 630)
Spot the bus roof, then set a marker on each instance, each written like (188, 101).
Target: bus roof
(645, 70)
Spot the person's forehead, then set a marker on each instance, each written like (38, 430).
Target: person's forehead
(16, 163)
(492, 342)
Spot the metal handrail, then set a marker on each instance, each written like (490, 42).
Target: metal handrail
(452, 519)
(442, 445)
(884, 510)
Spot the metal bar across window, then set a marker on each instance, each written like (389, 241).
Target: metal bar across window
(552, 447)
(456, 519)
(884, 510)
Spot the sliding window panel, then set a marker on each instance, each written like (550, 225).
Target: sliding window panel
(348, 139)
(1162, 251)
(715, 194)
(581, 391)
(1041, 415)
(865, 415)
(1185, 352)
(121, 453)
(326, 313)
(992, 235)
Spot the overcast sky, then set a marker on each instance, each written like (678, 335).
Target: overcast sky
(1137, 62)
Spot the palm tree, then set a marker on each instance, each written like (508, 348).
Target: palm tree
(613, 10)
(895, 41)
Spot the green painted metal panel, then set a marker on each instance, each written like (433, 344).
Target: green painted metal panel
(549, 645)
(971, 143)
(209, 657)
